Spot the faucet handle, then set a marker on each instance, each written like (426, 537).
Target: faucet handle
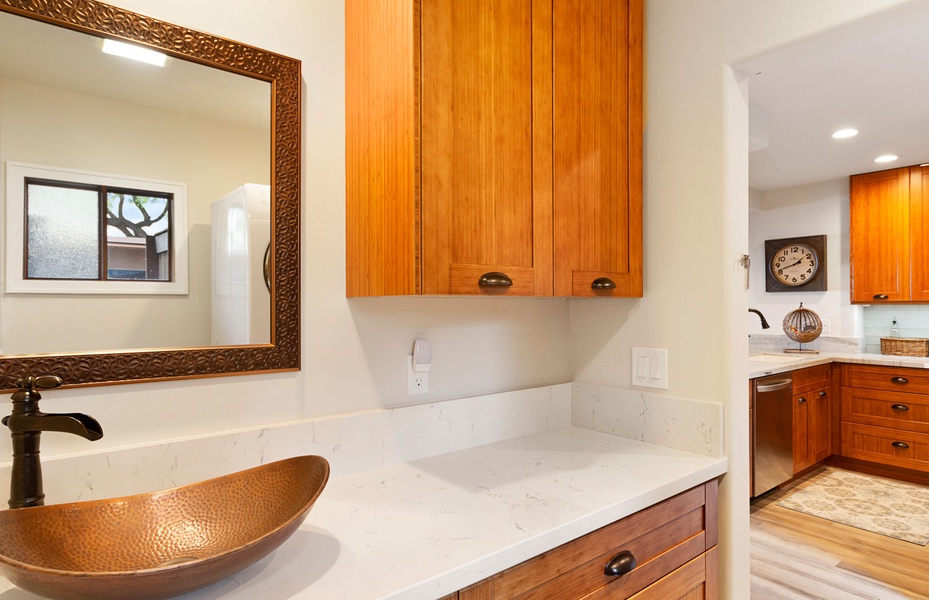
(42, 382)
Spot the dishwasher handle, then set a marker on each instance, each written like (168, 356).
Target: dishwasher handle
(773, 386)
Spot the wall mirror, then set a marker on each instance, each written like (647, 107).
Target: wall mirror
(220, 122)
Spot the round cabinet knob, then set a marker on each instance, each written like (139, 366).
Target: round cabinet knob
(823, 394)
(801, 400)
(620, 564)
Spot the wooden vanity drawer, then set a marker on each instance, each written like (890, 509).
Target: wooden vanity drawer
(662, 538)
(886, 446)
(909, 412)
(894, 379)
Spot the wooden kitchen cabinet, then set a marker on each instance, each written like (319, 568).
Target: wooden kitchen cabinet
(673, 542)
(812, 433)
(493, 138)
(889, 221)
(885, 416)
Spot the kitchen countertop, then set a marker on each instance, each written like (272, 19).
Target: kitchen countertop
(757, 367)
(424, 529)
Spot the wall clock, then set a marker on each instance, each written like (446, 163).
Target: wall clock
(796, 264)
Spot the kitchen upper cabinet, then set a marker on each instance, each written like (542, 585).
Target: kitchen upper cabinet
(496, 142)
(889, 222)
(598, 147)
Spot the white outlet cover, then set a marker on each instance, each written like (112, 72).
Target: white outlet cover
(417, 382)
(650, 367)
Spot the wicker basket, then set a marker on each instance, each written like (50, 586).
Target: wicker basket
(905, 346)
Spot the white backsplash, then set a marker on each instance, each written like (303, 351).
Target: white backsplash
(691, 425)
(769, 342)
(912, 321)
(368, 440)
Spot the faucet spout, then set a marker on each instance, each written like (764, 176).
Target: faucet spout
(26, 424)
(764, 322)
(79, 424)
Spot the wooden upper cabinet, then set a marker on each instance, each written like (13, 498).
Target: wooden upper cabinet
(919, 230)
(598, 146)
(478, 158)
(880, 236)
(493, 136)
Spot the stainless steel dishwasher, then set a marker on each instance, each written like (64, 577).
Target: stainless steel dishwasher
(772, 432)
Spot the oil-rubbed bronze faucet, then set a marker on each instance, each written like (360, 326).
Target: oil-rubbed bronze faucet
(26, 425)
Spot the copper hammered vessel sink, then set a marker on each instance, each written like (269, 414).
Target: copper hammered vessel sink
(161, 544)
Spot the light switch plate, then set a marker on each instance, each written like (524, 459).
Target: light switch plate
(650, 367)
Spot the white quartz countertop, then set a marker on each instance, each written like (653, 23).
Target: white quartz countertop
(771, 363)
(424, 529)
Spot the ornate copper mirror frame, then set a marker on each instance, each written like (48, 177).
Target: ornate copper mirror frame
(283, 73)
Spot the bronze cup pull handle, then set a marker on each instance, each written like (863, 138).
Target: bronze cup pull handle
(620, 564)
(801, 400)
(899, 407)
(902, 445)
(603, 283)
(495, 279)
(881, 296)
(899, 380)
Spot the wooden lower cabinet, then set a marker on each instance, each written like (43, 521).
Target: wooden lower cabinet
(885, 416)
(673, 543)
(812, 434)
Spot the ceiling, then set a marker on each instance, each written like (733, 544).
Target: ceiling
(872, 75)
(55, 57)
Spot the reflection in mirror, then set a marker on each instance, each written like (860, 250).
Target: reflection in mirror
(203, 127)
(221, 121)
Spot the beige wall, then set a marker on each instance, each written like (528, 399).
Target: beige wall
(45, 126)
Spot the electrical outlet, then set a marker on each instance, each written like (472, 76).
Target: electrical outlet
(416, 382)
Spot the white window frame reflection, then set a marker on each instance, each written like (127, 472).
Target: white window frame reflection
(16, 175)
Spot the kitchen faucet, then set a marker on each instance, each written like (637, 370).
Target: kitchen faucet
(26, 424)
(764, 322)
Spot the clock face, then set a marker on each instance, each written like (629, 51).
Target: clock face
(794, 264)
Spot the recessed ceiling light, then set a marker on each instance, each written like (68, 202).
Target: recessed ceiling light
(886, 158)
(134, 52)
(845, 133)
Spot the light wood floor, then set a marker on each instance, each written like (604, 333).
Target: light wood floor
(797, 556)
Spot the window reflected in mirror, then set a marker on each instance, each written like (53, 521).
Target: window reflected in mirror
(71, 231)
(64, 221)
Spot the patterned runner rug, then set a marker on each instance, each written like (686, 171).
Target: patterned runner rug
(892, 508)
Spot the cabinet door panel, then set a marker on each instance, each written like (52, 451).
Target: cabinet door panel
(597, 144)
(880, 263)
(919, 230)
(477, 138)
(821, 425)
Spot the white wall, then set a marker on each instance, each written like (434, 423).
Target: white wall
(820, 209)
(696, 223)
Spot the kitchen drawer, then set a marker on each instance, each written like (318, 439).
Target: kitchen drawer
(662, 538)
(909, 412)
(895, 379)
(877, 444)
(811, 378)
(694, 581)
